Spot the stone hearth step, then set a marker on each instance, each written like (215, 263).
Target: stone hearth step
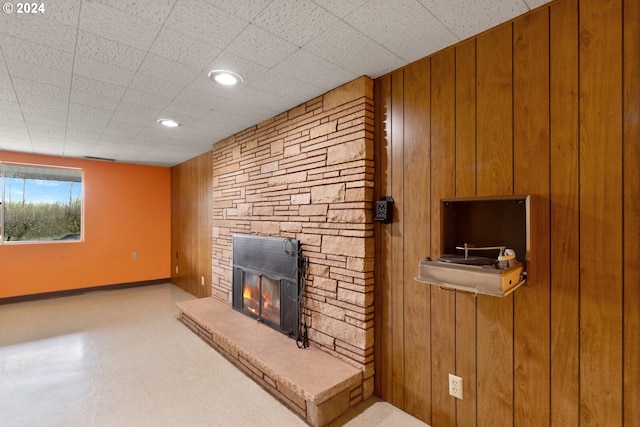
(314, 384)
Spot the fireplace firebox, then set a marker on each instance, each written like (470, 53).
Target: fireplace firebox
(266, 282)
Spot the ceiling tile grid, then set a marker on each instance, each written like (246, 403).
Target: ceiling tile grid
(297, 22)
(183, 49)
(117, 25)
(155, 11)
(91, 77)
(404, 27)
(41, 29)
(205, 22)
(106, 51)
(103, 72)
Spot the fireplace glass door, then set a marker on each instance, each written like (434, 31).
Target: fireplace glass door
(266, 281)
(261, 297)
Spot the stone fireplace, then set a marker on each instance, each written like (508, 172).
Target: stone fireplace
(307, 174)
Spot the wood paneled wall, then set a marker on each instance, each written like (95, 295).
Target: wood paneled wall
(191, 193)
(546, 105)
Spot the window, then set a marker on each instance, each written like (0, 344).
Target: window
(40, 203)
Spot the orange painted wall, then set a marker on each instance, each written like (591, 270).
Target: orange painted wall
(127, 208)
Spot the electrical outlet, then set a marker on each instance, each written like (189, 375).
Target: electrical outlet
(134, 255)
(455, 386)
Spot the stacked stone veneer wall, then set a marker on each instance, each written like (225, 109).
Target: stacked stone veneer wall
(308, 174)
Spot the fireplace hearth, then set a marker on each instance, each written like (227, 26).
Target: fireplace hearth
(266, 281)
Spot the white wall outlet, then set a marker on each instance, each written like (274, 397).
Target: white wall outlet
(455, 386)
(134, 255)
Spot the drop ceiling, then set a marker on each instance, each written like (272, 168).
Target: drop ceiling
(92, 77)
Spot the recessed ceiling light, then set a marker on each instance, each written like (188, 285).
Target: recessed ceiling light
(169, 123)
(224, 77)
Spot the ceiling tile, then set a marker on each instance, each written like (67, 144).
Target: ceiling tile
(94, 100)
(404, 27)
(217, 121)
(43, 94)
(314, 70)
(6, 89)
(361, 56)
(96, 74)
(245, 9)
(252, 97)
(250, 100)
(10, 106)
(17, 130)
(91, 124)
(156, 86)
(205, 22)
(280, 84)
(108, 139)
(35, 54)
(107, 151)
(62, 11)
(155, 11)
(148, 137)
(145, 98)
(183, 49)
(76, 149)
(3, 64)
(123, 129)
(48, 146)
(295, 22)
(42, 115)
(185, 108)
(15, 144)
(198, 137)
(8, 116)
(81, 84)
(74, 134)
(466, 18)
(89, 118)
(340, 8)
(80, 110)
(38, 29)
(532, 4)
(166, 69)
(261, 47)
(37, 73)
(103, 72)
(128, 112)
(107, 51)
(43, 131)
(117, 25)
(200, 98)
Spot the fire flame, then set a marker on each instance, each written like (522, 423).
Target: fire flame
(260, 300)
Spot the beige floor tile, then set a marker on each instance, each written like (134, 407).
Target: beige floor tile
(121, 358)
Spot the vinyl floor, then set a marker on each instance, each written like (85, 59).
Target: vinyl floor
(121, 358)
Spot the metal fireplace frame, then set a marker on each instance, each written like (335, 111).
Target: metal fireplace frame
(277, 258)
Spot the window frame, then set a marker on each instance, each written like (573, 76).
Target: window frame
(3, 196)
